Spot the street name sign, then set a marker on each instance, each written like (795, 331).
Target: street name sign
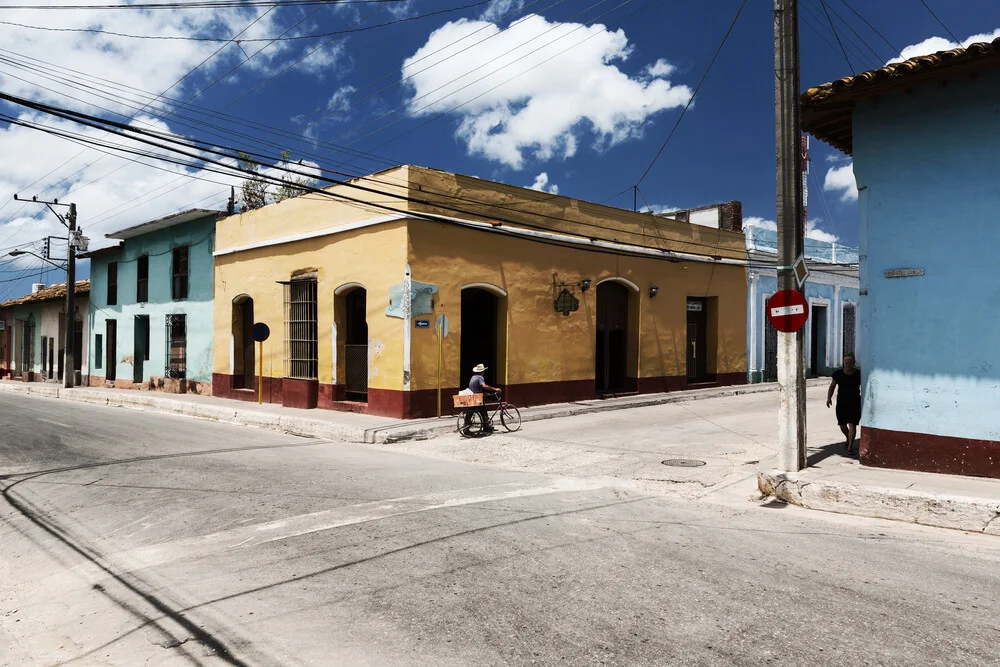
(787, 310)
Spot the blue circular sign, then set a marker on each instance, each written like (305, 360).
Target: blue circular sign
(260, 332)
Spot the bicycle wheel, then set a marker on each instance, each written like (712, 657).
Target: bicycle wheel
(471, 428)
(510, 418)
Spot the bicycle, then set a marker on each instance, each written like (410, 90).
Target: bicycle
(470, 420)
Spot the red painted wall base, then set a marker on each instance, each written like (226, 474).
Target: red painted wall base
(423, 403)
(923, 452)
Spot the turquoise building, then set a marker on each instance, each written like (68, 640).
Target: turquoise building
(923, 135)
(151, 312)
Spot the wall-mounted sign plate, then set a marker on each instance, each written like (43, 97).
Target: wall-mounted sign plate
(904, 273)
(423, 324)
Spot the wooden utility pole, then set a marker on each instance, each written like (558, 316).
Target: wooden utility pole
(791, 346)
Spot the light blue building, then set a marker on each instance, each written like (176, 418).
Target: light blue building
(925, 136)
(151, 306)
(832, 291)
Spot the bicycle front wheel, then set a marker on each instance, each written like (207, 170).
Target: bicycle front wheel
(510, 418)
(470, 425)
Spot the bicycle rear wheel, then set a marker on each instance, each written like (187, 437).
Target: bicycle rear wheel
(510, 418)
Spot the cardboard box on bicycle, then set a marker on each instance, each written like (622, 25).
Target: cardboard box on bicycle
(468, 400)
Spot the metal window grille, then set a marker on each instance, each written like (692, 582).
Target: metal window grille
(176, 366)
(142, 280)
(849, 325)
(28, 345)
(98, 349)
(770, 350)
(301, 330)
(113, 283)
(180, 273)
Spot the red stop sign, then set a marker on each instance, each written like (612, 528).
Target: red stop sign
(787, 310)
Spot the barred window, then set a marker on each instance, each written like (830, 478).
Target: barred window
(180, 273)
(301, 331)
(142, 280)
(28, 344)
(112, 283)
(176, 366)
(98, 345)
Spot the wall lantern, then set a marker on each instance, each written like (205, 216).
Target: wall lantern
(585, 284)
(653, 289)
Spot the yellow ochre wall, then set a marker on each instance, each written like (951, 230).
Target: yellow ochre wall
(545, 346)
(542, 346)
(373, 256)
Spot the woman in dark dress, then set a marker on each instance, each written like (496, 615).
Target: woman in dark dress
(848, 379)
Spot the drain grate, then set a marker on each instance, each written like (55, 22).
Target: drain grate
(683, 463)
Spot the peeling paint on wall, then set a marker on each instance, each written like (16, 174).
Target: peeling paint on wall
(375, 348)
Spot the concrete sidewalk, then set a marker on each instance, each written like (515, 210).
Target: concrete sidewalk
(838, 484)
(348, 426)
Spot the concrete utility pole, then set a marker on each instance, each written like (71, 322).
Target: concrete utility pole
(69, 372)
(791, 346)
(74, 239)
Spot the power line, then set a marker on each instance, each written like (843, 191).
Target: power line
(836, 34)
(499, 85)
(202, 149)
(402, 80)
(226, 40)
(872, 27)
(209, 4)
(879, 59)
(694, 94)
(171, 87)
(477, 71)
(941, 23)
(824, 30)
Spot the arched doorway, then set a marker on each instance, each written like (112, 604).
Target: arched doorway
(483, 328)
(243, 353)
(356, 344)
(612, 354)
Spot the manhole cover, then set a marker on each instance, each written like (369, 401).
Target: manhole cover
(683, 463)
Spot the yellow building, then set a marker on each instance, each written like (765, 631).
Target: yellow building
(562, 299)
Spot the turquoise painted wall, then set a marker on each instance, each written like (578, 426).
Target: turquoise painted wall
(199, 236)
(926, 166)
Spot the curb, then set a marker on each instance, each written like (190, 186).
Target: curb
(318, 428)
(979, 515)
(425, 429)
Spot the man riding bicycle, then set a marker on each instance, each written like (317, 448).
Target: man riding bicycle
(476, 385)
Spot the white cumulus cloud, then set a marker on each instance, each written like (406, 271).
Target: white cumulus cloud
(112, 192)
(498, 9)
(813, 230)
(841, 179)
(660, 68)
(536, 88)
(935, 44)
(542, 184)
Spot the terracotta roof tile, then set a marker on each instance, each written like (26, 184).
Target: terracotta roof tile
(53, 293)
(827, 109)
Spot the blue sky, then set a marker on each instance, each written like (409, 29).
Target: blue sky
(573, 95)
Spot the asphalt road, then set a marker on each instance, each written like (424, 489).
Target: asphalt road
(136, 538)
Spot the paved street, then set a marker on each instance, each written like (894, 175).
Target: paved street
(137, 538)
(731, 436)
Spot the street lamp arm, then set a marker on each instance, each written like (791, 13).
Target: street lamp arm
(16, 253)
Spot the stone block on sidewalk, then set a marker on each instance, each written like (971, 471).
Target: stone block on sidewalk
(944, 510)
